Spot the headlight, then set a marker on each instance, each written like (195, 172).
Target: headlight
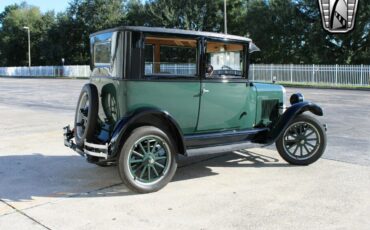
(296, 98)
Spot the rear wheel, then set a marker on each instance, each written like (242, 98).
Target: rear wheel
(303, 142)
(147, 160)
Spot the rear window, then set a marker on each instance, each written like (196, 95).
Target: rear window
(102, 53)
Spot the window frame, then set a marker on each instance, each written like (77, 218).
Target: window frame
(97, 39)
(245, 59)
(107, 64)
(158, 76)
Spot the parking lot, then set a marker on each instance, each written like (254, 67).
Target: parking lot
(44, 185)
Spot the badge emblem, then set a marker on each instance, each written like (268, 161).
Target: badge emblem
(338, 16)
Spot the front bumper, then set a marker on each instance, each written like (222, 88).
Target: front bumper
(89, 149)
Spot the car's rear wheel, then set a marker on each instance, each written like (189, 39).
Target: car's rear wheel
(303, 142)
(86, 114)
(147, 160)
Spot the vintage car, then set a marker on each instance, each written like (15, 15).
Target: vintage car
(155, 93)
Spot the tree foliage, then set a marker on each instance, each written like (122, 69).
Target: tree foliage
(287, 31)
(13, 37)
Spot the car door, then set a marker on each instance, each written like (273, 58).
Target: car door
(170, 80)
(228, 100)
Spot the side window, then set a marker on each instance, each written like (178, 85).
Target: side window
(102, 53)
(170, 57)
(107, 55)
(224, 60)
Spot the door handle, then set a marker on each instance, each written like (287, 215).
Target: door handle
(205, 91)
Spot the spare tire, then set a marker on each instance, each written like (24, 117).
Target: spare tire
(86, 115)
(109, 103)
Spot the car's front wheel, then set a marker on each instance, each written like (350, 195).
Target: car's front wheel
(147, 160)
(303, 142)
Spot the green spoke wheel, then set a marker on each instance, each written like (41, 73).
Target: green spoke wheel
(147, 161)
(303, 141)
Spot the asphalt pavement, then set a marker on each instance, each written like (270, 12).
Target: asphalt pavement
(44, 185)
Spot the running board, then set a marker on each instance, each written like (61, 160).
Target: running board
(221, 149)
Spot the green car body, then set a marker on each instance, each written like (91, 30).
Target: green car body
(191, 85)
(193, 112)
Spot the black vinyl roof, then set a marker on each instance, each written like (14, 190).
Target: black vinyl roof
(176, 32)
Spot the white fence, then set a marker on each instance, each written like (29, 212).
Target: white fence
(46, 71)
(354, 75)
(173, 68)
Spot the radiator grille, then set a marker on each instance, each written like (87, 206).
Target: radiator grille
(270, 109)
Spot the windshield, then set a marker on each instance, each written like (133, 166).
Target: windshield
(224, 60)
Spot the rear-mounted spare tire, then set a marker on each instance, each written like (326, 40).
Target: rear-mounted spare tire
(86, 115)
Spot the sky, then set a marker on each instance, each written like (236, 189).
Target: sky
(45, 5)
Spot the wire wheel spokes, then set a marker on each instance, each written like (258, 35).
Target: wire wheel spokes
(149, 159)
(301, 140)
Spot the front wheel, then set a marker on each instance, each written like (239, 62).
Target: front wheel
(147, 160)
(303, 142)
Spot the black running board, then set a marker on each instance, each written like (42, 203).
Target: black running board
(221, 149)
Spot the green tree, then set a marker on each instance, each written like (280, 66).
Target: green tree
(287, 31)
(353, 48)
(4, 38)
(291, 32)
(13, 38)
(135, 14)
(202, 15)
(277, 27)
(82, 18)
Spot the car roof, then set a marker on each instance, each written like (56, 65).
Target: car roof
(161, 30)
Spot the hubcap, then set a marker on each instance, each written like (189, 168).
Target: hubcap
(149, 159)
(301, 140)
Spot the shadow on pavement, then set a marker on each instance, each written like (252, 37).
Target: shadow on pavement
(24, 177)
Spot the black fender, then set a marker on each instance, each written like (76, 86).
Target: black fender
(288, 116)
(129, 122)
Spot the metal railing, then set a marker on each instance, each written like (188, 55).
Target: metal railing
(352, 75)
(46, 71)
(172, 68)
